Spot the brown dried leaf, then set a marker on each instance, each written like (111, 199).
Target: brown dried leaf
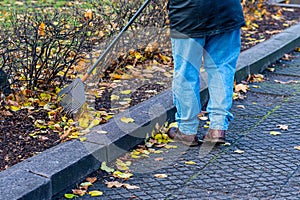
(91, 179)
(79, 192)
(241, 87)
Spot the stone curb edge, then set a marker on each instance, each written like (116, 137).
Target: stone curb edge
(46, 174)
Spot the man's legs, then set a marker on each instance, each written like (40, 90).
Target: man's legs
(220, 57)
(187, 54)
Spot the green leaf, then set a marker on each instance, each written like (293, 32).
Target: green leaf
(104, 167)
(70, 196)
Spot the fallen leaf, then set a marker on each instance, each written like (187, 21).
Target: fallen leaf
(79, 192)
(70, 196)
(124, 166)
(95, 193)
(41, 29)
(118, 185)
(241, 87)
(158, 151)
(159, 159)
(88, 14)
(86, 184)
(297, 148)
(170, 147)
(283, 127)
(125, 92)
(91, 179)
(239, 151)
(161, 175)
(114, 184)
(271, 69)
(127, 120)
(131, 187)
(275, 133)
(203, 118)
(104, 167)
(190, 162)
(240, 106)
(122, 175)
(114, 97)
(286, 82)
(226, 144)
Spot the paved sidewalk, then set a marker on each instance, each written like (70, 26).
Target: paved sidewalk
(256, 164)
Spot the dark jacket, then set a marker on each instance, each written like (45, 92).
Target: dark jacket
(199, 18)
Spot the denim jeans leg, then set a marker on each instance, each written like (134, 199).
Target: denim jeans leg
(187, 55)
(221, 55)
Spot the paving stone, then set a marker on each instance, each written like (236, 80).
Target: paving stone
(19, 184)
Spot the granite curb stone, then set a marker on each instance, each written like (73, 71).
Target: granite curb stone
(44, 175)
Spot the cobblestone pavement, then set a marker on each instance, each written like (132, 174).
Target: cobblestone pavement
(265, 167)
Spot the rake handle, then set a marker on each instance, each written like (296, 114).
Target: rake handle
(85, 77)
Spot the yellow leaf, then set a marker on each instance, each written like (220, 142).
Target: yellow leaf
(127, 120)
(95, 122)
(114, 97)
(135, 156)
(83, 122)
(297, 49)
(190, 162)
(206, 126)
(122, 165)
(88, 14)
(256, 86)
(45, 97)
(161, 175)
(119, 174)
(271, 69)
(158, 151)
(125, 92)
(15, 108)
(239, 151)
(108, 117)
(41, 29)
(82, 139)
(275, 133)
(104, 167)
(297, 148)
(95, 193)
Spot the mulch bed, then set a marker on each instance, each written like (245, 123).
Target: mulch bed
(17, 144)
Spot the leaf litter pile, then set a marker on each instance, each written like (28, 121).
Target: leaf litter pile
(143, 74)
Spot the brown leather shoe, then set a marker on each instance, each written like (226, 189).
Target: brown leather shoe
(189, 140)
(215, 136)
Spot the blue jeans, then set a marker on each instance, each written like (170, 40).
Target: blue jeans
(219, 54)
